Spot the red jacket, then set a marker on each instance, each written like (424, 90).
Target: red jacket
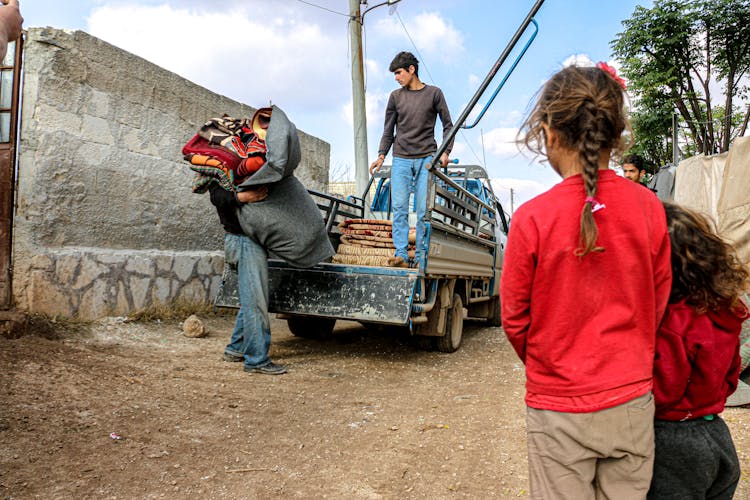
(586, 325)
(697, 361)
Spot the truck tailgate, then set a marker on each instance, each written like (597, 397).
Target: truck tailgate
(357, 293)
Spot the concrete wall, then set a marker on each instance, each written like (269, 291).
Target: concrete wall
(106, 222)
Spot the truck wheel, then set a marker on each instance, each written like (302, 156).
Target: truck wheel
(451, 341)
(493, 315)
(309, 327)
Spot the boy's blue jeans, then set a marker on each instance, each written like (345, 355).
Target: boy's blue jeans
(405, 173)
(251, 337)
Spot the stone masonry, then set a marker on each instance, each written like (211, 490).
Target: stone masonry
(106, 222)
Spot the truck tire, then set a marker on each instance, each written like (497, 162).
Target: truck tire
(309, 327)
(451, 341)
(493, 314)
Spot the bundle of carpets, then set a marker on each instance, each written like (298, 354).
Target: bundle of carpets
(239, 154)
(368, 242)
(228, 150)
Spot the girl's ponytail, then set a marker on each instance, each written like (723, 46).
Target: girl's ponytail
(589, 148)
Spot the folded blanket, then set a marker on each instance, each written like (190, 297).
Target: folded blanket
(361, 260)
(366, 227)
(200, 146)
(238, 153)
(352, 249)
(229, 166)
(217, 130)
(369, 243)
(375, 222)
(366, 232)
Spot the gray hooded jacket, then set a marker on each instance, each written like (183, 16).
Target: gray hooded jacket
(287, 223)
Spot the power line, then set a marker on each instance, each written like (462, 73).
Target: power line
(323, 8)
(415, 46)
(472, 149)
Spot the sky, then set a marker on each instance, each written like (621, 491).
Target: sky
(296, 54)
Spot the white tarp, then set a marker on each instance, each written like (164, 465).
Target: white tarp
(719, 186)
(734, 202)
(698, 183)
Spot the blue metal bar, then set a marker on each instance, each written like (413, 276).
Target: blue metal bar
(485, 83)
(505, 78)
(425, 307)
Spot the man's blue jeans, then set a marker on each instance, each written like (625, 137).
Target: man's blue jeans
(406, 172)
(251, 337)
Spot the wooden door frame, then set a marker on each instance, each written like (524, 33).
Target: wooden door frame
(8, 181)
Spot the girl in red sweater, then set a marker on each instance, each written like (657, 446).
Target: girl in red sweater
(585, 281)
(697, 363)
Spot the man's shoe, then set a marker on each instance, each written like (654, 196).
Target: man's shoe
(269, 369)
(397, 262)
(232, 358)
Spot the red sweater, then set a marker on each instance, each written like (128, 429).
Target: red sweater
(586, 326)
(697, 361)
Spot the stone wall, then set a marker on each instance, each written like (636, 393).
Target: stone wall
(106, 222)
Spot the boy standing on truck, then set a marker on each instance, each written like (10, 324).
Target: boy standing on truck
(410, 118)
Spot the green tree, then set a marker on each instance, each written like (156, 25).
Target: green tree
(651, 123)
(674, 55)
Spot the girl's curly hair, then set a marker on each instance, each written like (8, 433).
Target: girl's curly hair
(706, 271)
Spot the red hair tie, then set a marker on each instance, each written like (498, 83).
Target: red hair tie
(612, 72)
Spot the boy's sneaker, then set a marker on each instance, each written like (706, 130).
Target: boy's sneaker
(269, 369)
(232, 358)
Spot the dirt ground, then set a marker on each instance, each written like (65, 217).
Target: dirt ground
(363, 415)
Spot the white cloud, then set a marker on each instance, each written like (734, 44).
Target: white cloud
(374, 109)
(459, 151)
(523, 191)
(502, 141)
(578, 60)
(434, 36)
(240, 52)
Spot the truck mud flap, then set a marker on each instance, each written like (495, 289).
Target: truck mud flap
(357, 293)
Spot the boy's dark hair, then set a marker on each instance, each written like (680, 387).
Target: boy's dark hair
(635, 160)
(403, 60)
(706, 271)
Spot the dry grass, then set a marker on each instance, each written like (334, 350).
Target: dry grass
(178, 309)
(42, 325)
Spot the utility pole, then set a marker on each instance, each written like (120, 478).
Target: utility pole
(361, 173)
(675, 140)
(511, 202)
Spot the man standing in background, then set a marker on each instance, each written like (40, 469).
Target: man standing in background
(634, 168)
(411, 113)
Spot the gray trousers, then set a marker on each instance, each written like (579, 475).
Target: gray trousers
(695, 459)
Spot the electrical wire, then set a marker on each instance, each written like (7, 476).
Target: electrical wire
(424, 65)
(323, 8)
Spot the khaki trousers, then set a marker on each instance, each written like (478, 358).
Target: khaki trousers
(608, 454)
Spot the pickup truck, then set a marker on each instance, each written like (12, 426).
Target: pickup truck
(459, 277)
(465, 230)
